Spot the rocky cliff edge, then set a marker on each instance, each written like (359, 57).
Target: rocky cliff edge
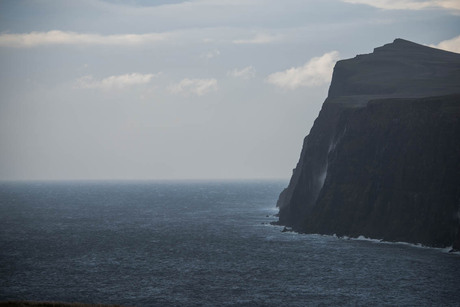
(382, 159)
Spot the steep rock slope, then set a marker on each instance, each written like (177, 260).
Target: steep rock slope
(383, 157)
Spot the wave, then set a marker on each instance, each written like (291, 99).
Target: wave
(447, 250)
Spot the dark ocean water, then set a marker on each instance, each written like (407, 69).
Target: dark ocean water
(197, 243)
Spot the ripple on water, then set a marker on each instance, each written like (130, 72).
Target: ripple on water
(198, 243)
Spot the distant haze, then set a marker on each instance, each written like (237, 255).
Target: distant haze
(197, 89)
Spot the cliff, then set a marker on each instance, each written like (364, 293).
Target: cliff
(382, 159)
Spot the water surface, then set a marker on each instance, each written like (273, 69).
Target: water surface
(197, 243)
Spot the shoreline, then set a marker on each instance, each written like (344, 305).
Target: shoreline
(446, 250)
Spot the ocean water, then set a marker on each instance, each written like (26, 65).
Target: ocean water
(197, 244)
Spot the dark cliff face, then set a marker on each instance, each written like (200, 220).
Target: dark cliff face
(383, 157)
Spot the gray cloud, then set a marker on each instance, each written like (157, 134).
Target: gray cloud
(246, 73)
(56, 37)
(198, 87)
(410, 4)
(211, 54)
(114, 82)
(258, 39)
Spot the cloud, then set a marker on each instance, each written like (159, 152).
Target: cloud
(211, 54)
(194, 86)
(409, 4)
(452, 44)
(33, 39)
(243, 73)
(258, 39)
(114, 82)
(315, 72)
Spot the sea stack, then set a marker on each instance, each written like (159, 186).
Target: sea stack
(382, 159)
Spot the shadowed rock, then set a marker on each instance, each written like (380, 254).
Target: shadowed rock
(383, 157)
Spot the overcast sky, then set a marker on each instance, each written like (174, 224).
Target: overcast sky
(199, 89)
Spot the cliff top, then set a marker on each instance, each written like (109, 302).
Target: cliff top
(401, 69)
(404, 47)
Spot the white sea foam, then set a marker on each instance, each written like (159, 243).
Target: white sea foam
(378, 241)
(363, 238)
(417, 245)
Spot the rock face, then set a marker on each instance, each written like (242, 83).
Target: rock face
(382, 159)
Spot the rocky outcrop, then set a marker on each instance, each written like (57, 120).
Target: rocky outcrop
(383, 157)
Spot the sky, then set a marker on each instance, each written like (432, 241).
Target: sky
(198, 89)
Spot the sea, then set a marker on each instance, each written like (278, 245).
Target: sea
(198, 243)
